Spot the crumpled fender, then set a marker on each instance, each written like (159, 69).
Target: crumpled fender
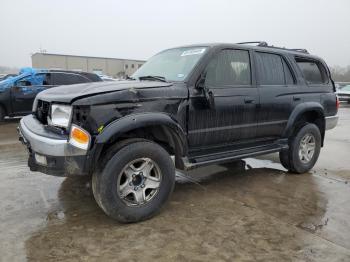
(131, 122)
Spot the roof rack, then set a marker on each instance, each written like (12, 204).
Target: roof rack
(259, 43)
(299, 50)
(264, 44)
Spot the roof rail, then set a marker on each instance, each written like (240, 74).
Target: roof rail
(259, 43)
(265, 44)
(299, 50)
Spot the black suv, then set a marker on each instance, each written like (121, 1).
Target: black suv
(17, 93)
(186, 107)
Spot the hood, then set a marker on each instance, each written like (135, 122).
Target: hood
(70, 93)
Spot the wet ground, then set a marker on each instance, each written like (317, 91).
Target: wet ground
(250, 211)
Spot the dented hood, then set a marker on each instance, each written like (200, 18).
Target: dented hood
(70, 93)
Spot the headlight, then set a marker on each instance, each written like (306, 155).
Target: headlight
(60, 115)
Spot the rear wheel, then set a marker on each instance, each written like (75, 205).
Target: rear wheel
(304, 149)
(135, 182)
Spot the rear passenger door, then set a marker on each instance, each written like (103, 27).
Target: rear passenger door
(278, 94)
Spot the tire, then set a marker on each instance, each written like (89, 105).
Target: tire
(115, 176)
(301, 162)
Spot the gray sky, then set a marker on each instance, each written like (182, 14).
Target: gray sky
(138, 29)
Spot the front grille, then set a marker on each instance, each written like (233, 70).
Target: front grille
(42, 111)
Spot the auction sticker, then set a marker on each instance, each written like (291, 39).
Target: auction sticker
(196, 51)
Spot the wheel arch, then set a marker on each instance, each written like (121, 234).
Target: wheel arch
(311, 112)
(158, 127)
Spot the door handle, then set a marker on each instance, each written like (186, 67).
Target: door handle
(296, 98)
(249, 100)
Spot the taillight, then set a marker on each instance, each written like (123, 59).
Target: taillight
(337, 103)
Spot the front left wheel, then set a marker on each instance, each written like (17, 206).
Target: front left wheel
(137, 180)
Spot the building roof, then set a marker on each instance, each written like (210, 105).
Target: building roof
(93, 57)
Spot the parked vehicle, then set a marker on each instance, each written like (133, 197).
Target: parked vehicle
(107, 78)
(5, 76)
(343, 94)
(186, 107)
(2, 76)
(17, 93)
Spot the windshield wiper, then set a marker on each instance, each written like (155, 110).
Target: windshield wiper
(158, 78)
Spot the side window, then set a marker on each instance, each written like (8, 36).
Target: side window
(270, 69)
(25, 81)
(67, 79)
(229, 68)
(40, 79)
(32, 80)
(313, 71)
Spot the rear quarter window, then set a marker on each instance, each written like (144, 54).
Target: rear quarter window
(313, 71)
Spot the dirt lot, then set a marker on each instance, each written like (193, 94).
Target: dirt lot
(252, 211)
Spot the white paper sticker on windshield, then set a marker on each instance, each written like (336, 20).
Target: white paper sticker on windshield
(193, 52)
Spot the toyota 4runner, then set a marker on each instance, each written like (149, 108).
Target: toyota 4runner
(186, 107)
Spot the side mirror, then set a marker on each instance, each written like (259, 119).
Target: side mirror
(208, 94)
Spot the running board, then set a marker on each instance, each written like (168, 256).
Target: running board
(217, 158)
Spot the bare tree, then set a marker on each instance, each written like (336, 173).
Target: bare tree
(340, 74)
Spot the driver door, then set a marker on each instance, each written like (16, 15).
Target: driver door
(232, 116)
(25, 90)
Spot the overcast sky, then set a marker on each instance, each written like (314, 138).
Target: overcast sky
(138, 29)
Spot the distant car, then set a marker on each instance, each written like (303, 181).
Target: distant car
(5, 76)
(344, 94)
(107, 78)
(17, 93)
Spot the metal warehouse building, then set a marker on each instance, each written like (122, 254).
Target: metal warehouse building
(113, 67)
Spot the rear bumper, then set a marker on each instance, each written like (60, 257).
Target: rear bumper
(61, 158)
(331, 122)
(343, 98)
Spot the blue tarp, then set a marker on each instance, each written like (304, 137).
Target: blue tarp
(24, 72)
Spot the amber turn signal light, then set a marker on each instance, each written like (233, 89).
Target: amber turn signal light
(79, 137)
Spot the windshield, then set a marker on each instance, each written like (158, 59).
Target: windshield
(173, 64)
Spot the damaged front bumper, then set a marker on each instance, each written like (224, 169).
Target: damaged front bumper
(51, 153)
